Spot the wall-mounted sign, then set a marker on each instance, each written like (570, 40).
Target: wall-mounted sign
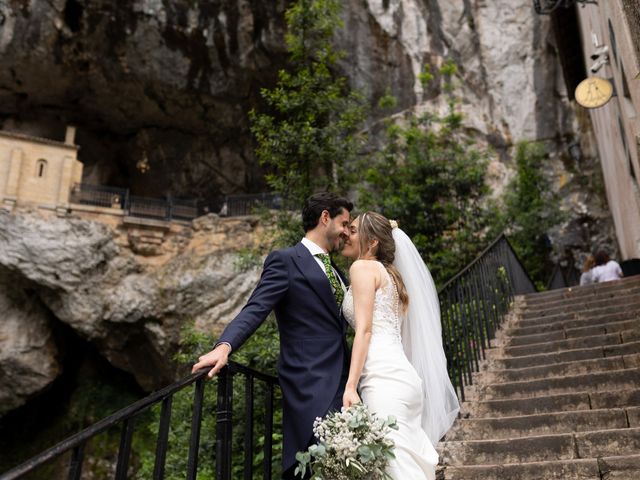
(594, 92)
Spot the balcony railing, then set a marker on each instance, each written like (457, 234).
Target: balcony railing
(170, 209)
(237, 205)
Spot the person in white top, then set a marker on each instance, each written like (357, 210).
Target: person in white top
(606, 269)
(587, 270)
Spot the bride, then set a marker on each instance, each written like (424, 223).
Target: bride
(398, 363)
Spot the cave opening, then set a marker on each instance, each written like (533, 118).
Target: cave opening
(89, 388)
(73, 15)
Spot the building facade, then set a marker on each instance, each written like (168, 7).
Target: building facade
(609, 37)
(38, 172)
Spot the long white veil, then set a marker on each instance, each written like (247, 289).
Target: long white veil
(422, 339)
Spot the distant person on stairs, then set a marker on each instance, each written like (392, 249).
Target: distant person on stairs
(606, 269)
(587, 270)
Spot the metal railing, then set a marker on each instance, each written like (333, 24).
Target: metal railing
(237, 205)
(99, 195)
(172, 208)
(472, 305)
(134, 206)
(126, 417)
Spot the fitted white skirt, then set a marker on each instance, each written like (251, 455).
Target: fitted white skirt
(389, 385)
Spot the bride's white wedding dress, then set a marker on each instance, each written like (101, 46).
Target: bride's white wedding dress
(389, 385)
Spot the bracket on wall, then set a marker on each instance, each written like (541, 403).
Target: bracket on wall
(545, 7)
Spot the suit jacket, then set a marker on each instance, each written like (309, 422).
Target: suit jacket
(314, 357)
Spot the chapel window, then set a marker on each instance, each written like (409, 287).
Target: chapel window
(41, 168)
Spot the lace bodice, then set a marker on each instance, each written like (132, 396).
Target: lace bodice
(386, 308)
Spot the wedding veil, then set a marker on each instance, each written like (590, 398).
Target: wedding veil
(422, 339)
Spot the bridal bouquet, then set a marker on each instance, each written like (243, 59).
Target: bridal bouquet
(353, 444)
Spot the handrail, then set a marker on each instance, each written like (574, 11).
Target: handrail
(473, 304)
(77, 441)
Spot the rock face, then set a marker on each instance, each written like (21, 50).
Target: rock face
(130, 309)
(28, 352)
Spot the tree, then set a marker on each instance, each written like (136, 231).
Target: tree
(531, 209)
(430, 177)
(311, 129)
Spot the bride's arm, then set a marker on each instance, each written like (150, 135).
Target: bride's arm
(364, 281)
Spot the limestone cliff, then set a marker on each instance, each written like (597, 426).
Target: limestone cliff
(131, 308)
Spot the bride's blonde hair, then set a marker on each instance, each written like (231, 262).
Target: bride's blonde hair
(373, 226)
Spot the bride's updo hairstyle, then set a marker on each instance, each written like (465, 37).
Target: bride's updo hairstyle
(373, 226)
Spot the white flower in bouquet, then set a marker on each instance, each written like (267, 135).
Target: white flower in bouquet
(353, 444)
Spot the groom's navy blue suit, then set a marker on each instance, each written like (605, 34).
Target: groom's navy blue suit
(314, 358)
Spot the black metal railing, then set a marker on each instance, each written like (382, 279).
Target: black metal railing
(172, 208)
(237, 205)
(224, 409)
(473, 303)
(134, 206)
(99, 195)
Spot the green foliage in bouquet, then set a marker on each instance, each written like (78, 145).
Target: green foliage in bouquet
(353, 444)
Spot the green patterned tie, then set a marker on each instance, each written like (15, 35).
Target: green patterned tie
(333, 279)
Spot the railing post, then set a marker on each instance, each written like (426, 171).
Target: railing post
(163, 438)
(75, 464)
(268, 431)
(224, 424)
(248, 428)
(124, 452)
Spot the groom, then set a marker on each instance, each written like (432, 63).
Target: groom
(305, 290)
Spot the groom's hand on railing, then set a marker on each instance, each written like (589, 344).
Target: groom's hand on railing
(216, 358)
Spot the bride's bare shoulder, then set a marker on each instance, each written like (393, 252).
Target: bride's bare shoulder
(366, 267)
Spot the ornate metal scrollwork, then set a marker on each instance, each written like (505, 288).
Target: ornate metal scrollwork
(545, 7)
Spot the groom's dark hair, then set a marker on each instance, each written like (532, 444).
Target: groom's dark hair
(319, 202)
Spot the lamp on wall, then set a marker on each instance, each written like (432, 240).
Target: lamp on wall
(143, 164)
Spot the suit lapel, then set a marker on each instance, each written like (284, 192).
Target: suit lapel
(316, 277)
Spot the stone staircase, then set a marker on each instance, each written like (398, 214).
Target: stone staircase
(559, 394)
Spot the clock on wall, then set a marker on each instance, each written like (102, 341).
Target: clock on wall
(594, 92)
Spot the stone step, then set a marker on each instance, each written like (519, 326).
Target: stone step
(587, 291)
(621, 314)
(602, 443)
(607, 468)
(575, 332)
(541, 424)
(629, 297)
(504, 363)
(516, 330)
(616, 338)
(526, 306)
(568, 402)
(590, 382)
(557, 370)
(620, 467)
